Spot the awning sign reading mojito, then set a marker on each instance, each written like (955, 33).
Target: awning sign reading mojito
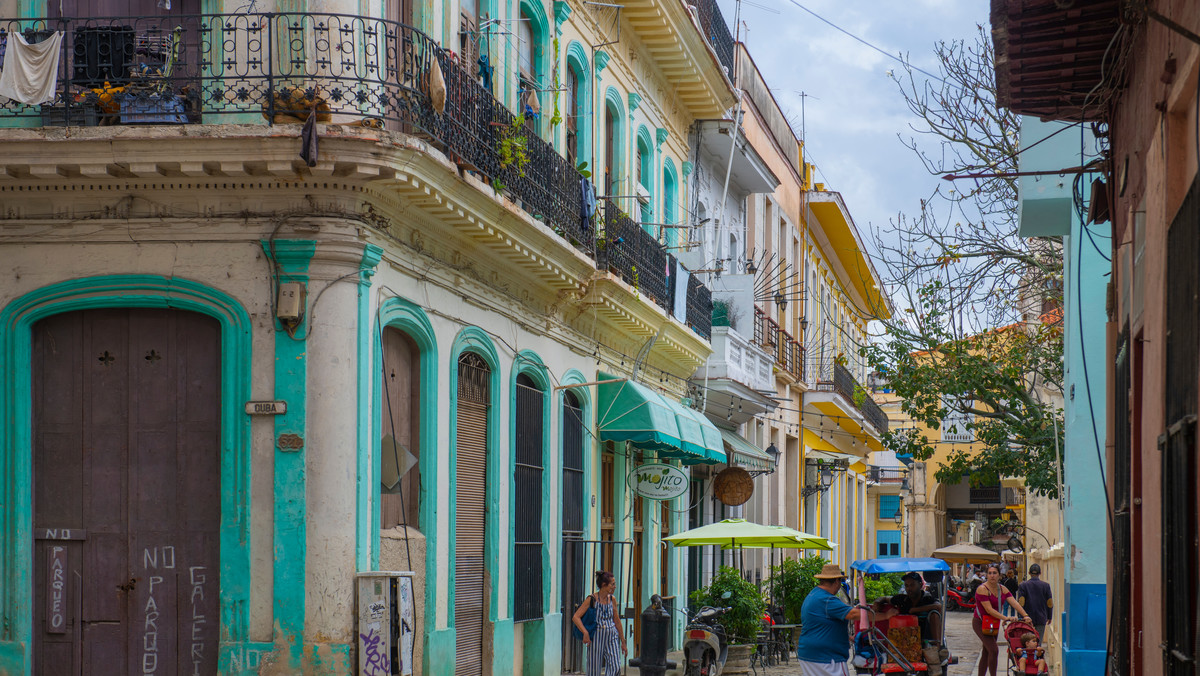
(659, 482)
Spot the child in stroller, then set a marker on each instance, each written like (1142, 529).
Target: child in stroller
(1025, 654)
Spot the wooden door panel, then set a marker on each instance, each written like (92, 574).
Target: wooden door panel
(129, 452)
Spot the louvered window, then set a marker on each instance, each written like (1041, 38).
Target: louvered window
(471, 446)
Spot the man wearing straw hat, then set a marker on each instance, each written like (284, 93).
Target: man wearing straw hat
(824, 646)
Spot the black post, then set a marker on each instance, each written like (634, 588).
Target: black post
(656, 627)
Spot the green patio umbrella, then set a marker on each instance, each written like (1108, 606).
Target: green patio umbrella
(740, 533)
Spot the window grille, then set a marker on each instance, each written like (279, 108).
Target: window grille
(527, 493)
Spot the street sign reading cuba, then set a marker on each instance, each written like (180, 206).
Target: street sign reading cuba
(659, 482)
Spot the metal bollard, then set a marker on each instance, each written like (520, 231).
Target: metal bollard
(656, 626)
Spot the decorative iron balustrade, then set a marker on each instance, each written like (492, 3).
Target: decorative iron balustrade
(787, 351)
(716, 31)
(699, 308)
(984, 495)
(634, 255)
(844, 384)
(280, 68)
(888, 475)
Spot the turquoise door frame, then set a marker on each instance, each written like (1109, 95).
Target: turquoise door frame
(237, 654)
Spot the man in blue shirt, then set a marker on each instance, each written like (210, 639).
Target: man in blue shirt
(824, 645)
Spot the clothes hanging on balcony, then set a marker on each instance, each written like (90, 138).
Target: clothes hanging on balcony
(485, 72)
(681, 288)
(437, 87)
(309, 151)
(587, 203)
(30, 72)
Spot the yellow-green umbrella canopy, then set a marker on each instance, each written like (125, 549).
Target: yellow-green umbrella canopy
(739, 533)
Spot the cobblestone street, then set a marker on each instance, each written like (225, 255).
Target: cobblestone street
(959, 636)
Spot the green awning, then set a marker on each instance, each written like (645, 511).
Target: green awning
(632, 412)
(745, 453)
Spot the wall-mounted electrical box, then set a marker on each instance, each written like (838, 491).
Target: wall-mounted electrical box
(290, 305)
(386, 623)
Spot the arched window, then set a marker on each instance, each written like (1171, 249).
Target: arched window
(670, 203)
(645, 179)
(533, 46)
(578, 108)
(614, 140)
(572, 98)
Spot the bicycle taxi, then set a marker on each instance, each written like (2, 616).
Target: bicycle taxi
(896, 645)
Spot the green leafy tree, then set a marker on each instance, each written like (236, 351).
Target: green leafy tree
(978, 337)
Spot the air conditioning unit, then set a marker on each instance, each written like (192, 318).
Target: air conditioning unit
(386, 622)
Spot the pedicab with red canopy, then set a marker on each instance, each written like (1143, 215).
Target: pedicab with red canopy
(894, 645)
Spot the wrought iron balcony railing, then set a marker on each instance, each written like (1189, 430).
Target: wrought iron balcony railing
(787, 351)
(888, 475)
(984, 495)
(643, 262)
(716, 31)
(280, 68)
(844, 384)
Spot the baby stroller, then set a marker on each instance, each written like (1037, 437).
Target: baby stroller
(1013, 633)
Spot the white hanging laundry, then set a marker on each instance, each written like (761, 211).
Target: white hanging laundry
(30, 72)
(681, 289)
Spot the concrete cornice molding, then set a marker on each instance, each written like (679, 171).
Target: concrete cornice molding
(380, 180)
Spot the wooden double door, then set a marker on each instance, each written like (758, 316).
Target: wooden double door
(126, 492)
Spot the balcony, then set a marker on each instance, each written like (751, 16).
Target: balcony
(271, 69)
(844, 385)
(787, 351)
(738, 378)
(692, 46)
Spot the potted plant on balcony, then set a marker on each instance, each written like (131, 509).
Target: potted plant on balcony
(744, 619)
(513, 145)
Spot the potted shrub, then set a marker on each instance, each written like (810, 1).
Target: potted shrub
(744, 619)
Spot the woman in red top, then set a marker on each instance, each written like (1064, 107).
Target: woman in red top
(989, 598)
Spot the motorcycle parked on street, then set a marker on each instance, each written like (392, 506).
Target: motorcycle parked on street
(705, 646)
(961, 596)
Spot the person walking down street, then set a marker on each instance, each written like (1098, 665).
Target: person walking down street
(1037, 598)
(606, 647)
(824, 646)
(1010, 583)
(988, 620)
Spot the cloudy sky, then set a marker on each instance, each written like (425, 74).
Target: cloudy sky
(853, 111)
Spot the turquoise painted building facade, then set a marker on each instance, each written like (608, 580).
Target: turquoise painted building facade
(1048, 209)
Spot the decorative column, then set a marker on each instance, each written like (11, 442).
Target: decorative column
(292, 258)
(367, 557)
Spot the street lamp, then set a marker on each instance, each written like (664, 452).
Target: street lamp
(825, 474)
(773, 453)
(781, 300)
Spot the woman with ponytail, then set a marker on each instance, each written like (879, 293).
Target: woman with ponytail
(604, 639)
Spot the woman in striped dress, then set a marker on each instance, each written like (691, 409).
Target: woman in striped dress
(608, 645)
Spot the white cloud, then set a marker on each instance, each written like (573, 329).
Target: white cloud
(854, 111)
